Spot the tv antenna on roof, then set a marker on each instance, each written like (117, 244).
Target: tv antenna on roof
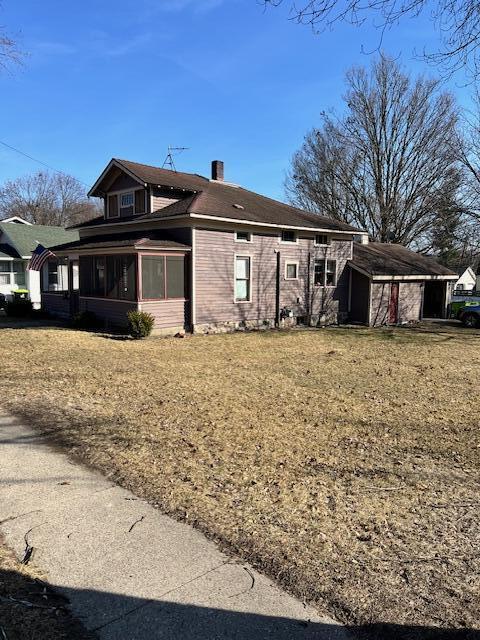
(169, 162)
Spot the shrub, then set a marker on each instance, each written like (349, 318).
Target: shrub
(140, 324)
(86, 320)
(19, 308)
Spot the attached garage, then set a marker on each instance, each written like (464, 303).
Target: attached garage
(389, 284)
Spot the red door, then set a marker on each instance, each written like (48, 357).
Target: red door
(393, 304)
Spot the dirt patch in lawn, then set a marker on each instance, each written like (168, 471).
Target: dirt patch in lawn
(344, 463)
(29, 608)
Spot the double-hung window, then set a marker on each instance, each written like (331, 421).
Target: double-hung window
(325, 273)
(242, 278)
(5, 270)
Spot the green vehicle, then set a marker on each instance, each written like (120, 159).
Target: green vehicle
(456, 307)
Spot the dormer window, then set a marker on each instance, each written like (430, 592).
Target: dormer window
(126, 200)
(126, 203)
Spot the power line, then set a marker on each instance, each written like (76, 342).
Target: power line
(22, 153)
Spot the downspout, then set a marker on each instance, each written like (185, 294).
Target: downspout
(193, 297)
(309, 286)
(277, 292)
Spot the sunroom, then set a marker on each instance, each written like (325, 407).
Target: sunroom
(118, 274)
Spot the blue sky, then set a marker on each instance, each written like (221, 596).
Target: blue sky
(225, 78)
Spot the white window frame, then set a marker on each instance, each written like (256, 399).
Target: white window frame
(250, 265)
(249, 234)
(131, 204)
(8, 274)
(324, 284)
(290, 262)
(295, 234)
(322, 244)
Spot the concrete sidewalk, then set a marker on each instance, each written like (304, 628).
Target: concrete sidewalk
(130, 572)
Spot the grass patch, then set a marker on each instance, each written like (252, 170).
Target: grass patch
(344, 463)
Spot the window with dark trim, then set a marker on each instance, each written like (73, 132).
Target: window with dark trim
(289, 236)
(163, 277)
(321, 239)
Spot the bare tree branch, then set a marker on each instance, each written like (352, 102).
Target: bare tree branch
(43, 198)
(456, 21)
(390, 165)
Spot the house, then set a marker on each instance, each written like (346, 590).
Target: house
(18, 238)
(467, 280)
(204, 254)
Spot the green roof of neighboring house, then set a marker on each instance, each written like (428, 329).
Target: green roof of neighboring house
(24, 238)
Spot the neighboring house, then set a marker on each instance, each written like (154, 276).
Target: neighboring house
(206, 255)
(18, 239)
(468, 279)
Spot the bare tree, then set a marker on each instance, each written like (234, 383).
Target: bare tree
(44, 198)
(457, 22)
(389, 165)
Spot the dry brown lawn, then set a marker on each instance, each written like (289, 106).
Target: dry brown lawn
(344, 463)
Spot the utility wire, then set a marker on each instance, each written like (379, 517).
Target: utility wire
(22, 153)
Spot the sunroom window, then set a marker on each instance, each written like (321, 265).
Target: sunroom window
(163, 277)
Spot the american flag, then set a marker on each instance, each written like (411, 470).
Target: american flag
(39, 257)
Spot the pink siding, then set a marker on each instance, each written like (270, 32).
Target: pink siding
(56, 304)
(114, 312)
(410, 299)
(214, 269)
(167, 313)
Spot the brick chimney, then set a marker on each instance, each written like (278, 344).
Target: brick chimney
(217, 170)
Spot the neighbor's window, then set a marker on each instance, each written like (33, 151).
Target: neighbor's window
(291, 270)
(322, 239)
(242, 279)
(325, 273)
(19, 273)
(5, 270)
(163, 277)
(289, 236)
(243, 236)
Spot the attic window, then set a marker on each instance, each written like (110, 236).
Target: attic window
(238, 206)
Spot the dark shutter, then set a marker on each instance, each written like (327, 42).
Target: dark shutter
(140, 201)
(112, 206)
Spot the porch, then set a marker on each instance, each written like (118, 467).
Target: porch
(116, 277)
